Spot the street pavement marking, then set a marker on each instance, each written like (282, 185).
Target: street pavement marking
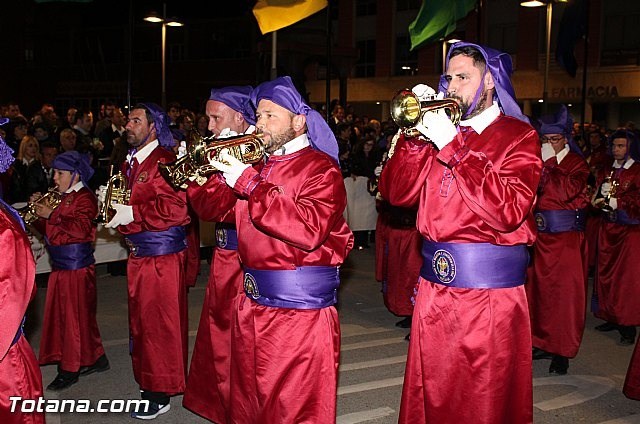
(371, 385)
(588, 387)
(364, 416)
(372, 343)
(372, 364)
(631, 419)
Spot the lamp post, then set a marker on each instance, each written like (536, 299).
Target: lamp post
(549, 5)
(153, 17)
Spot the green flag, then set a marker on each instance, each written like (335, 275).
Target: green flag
(437, 19)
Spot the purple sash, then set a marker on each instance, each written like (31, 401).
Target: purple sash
(71, 256)
(157, 243)
(619, 216)
(20, 331)
(474, 265)
(557, 221)
(308, 287)
(226, 236)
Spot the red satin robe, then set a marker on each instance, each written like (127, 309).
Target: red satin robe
(631, 387)
(19, 370)
(70, 334)
(557, 276)
(285, 361)
(398, 258)
(469, 357)
(617, 269)
(192, 264)
(208, 383)
(157, 292)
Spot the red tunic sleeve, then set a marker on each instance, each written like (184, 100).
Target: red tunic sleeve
(17, 279)
(564, 185)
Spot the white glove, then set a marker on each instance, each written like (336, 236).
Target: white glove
(424, 92)
(613, 203)
(231, 167)
(226, 133)
(101, 193)
(377, 171)
(438, 128)
(605, 188)
(547, 151)
(182, 149)
(123, 216)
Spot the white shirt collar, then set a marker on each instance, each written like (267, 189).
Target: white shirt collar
(26, 161)
(626, 165)
(250, 130)
(119, 130)
(76, 187)
(480, 122)
(81, 130)
(293, 146)
(144, 153)
(562, 153)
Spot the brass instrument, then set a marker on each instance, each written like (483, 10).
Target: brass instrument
(604, 205)
(195, 165)
(117, 192)
(407, 110)
(51, 199)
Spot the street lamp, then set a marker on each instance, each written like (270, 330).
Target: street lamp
(549, 4)
(154, 18)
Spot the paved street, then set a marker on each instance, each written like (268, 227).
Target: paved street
(372, 365)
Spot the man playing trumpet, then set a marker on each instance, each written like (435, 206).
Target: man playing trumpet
(70, 334)
(617, 268)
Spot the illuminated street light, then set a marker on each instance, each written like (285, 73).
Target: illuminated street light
(172, 22)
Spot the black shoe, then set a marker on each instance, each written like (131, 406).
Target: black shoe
(404, 323)
(540, 354)
(408, 337)
(152, 411)
(559, 365)
(607, 326)
(101, 365)
(63, 380)
(626, 341)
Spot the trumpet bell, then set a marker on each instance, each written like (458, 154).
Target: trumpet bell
(407, 109)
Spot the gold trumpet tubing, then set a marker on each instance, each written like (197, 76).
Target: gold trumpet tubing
(117, 193)
(407, 110)
(50, 199)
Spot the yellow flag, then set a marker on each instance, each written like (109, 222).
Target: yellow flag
(275, 14)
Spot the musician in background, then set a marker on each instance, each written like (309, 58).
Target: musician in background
(617, 266)
(19, 371)
(70, 334)
(208, 385)
(475, 185)
(153, 224)
(292, 238)
(557, 278)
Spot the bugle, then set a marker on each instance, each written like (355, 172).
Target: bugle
(407, 110)
(116, 192)
(51, 199)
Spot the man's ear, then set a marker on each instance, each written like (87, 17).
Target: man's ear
(298, 122)
(488, 81)
(238, 118)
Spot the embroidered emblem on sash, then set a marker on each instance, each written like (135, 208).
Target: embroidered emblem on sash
(540, 222)
(142, 177)
(250, 286)
(221, 237)
(443, 266)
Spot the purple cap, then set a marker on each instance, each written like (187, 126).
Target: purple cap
(161, 121)
(237, 98)
(560, 123)
(282, 92)
(501, 68)
(6, 152)
(75, 162)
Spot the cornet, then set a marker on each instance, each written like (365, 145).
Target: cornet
(116, 192)
(407, 110)
(51, 199)
(195, 165)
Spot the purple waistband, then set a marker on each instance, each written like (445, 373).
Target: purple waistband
(226, 236)
(157, 243)
(474, 265)
(71, 256)
(557, 221)
(20, 331)
(308, 287)
(620, 217)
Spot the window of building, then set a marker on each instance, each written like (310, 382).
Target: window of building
(504, 37)
(406, 60)
(365, 7)
(366, 64)
(402, 5)
(621, 40)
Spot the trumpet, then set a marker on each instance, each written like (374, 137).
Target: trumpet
(407, 110)
(116, 192)
(51, 199)
(196, 164)
(606, 198)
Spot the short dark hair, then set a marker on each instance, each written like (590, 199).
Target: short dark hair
(473, 53)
